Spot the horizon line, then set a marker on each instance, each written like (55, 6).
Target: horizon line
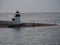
(31, 12)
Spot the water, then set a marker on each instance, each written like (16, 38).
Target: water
(33, 35)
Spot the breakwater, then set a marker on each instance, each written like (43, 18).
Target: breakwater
(9, 24)
(36, 24)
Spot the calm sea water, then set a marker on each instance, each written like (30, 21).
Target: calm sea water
(33, 35)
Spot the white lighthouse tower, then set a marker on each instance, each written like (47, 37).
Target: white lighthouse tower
(16, 20)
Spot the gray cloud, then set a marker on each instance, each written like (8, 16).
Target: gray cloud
(30, 5)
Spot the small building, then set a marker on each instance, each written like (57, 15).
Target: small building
(16, 19)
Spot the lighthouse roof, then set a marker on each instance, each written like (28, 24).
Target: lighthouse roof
(17, 14)
(17, 11)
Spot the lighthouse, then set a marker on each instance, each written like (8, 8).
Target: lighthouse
(16, 20)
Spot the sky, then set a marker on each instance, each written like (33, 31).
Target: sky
(25, 6)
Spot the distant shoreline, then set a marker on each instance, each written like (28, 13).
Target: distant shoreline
(31, 12)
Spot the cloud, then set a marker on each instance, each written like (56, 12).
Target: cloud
(30, 5)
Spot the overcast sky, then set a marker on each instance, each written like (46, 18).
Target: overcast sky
(29, 6)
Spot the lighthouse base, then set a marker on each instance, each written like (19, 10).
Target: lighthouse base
(15, 25)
